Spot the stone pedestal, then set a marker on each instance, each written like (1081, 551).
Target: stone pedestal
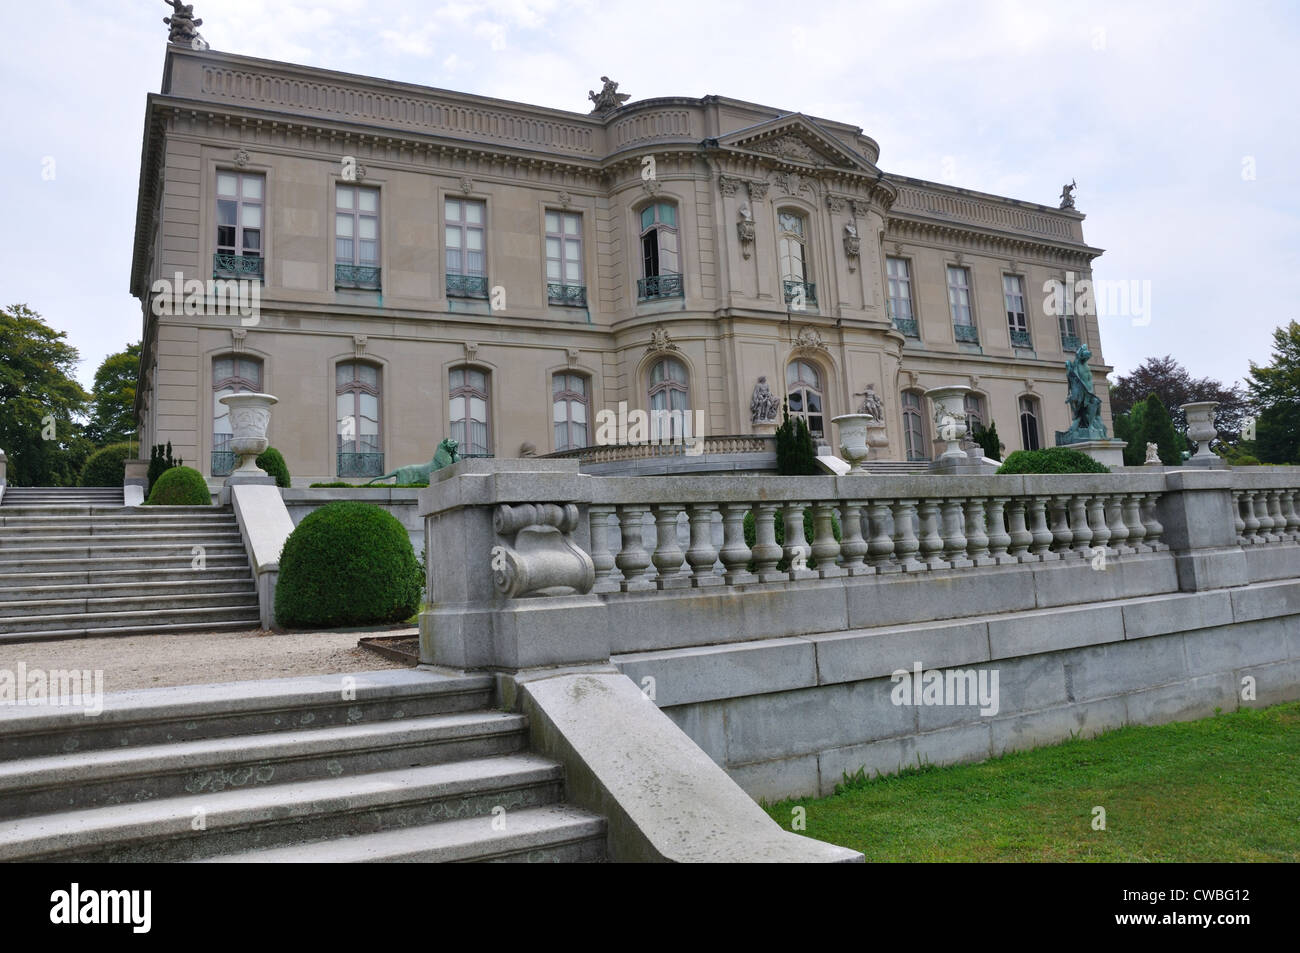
(766, 429)
(1107, 452)
(135, 481)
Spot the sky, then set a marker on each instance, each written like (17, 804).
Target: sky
(1180, 123)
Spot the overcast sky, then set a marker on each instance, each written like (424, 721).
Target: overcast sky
(1179, 122)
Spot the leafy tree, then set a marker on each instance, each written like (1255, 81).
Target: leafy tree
(1275, 388)
(112, 417)
(1277, 434)
(1174, 385)
(41, 404)
(1129, 427)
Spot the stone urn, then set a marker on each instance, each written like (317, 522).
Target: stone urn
(250, 416)
(1200, 425)
(950, 418)
(853, 439)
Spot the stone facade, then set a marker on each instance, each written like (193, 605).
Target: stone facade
(730, 172)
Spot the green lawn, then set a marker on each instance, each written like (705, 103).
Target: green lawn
(1225, 788)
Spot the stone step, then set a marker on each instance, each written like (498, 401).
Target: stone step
(32, 554)
(156, 716)
(90, 779)
(25, 510)
(125, 518)
(226, 557)
(131, 622)
(246, 623)
(117, 535)
(283, 814)
(556, 832)
(20, 588)
(15, 612)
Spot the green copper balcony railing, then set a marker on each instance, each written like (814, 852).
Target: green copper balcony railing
(223, 462)
(237, 266)
(1021, 339)
(908, 326)
(659, 286)
(467, 286)
(966, 333)
(569, 296)
(361, 464)
(796, 290)
(1069, 343)
(362, 277)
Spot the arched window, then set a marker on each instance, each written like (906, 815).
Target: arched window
(974, 406)
(357, 395)
(660, 263)
(231, 374)
(803, 387)
(915, 440)
(1029, 432)
(792, 231)
(669, 397)
(468, 411)
(569, 410)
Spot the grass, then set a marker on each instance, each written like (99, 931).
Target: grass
(1225, 788)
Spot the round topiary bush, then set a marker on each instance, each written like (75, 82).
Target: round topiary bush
(1052, 460)
(273, 463)
(107, 466)
(346, 564)
(180, 486)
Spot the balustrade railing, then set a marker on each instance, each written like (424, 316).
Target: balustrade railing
(1267, 515)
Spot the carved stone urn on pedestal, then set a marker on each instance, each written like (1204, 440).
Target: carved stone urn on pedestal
(250, 416)
(1200, 428)
(950, 418)
(853, 439)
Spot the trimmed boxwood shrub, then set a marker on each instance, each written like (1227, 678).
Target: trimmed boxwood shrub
(180, 486)
(1051, 460)
(347, 564)
(107, 466)
(273, 463)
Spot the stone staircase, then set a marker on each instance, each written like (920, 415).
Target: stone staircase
(77, 563)
(381, 766)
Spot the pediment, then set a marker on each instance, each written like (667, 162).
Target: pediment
(796, 139)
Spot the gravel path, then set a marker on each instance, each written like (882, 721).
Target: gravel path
(151, 661)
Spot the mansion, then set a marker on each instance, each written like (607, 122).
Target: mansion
(431, 264)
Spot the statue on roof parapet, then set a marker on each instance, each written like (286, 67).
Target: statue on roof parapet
(608, 99)
(184, 25)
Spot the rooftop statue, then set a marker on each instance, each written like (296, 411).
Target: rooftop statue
(1085, 405)
(1067, 195)
(609, 98)
(184, 25)
(446, 454)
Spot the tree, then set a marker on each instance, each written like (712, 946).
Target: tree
(1275, 389)
(1129, 427)
(795, 453)
(1158, 428)
(1277, 435)
(112, 417)
(1174, 385)
(988, 440)
(40, 402)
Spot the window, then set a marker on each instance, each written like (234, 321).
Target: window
(468, 411)
(668, 392)
(356, 237)
(231, 374)
(1069, 333)
(466, 221)
(569, 410)
(357, 395)
(1029, 433)
(899, 273)
(963, 319)
(803, 386)
(564, 284)
(914, 438)
(792, 250)
(974, 406)
(660, 269)
(1013, 290)
(239, 226)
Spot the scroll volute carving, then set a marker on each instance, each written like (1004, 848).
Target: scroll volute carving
(536, 554)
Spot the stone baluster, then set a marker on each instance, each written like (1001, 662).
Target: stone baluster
(1275, 510)
(999, 538)
(1061, 533)
(1096, 508)
(703, 554)
(881, 546)
(632, 560)
(1292, 516)
(1152, 522)
(931, 541)
(1118, 528)
(1082, 547)
(766, 551)
(735, 554)
(1249, 518)
(796, 550)
(668, 556)
(602, 557)
(977, 538)
(825, 548)
(906, 543)
(954, 536)
(1018, 536)
(1041, 547)
(1237, 499)
(1265, 534)
(1133, 522)
(853, 547)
